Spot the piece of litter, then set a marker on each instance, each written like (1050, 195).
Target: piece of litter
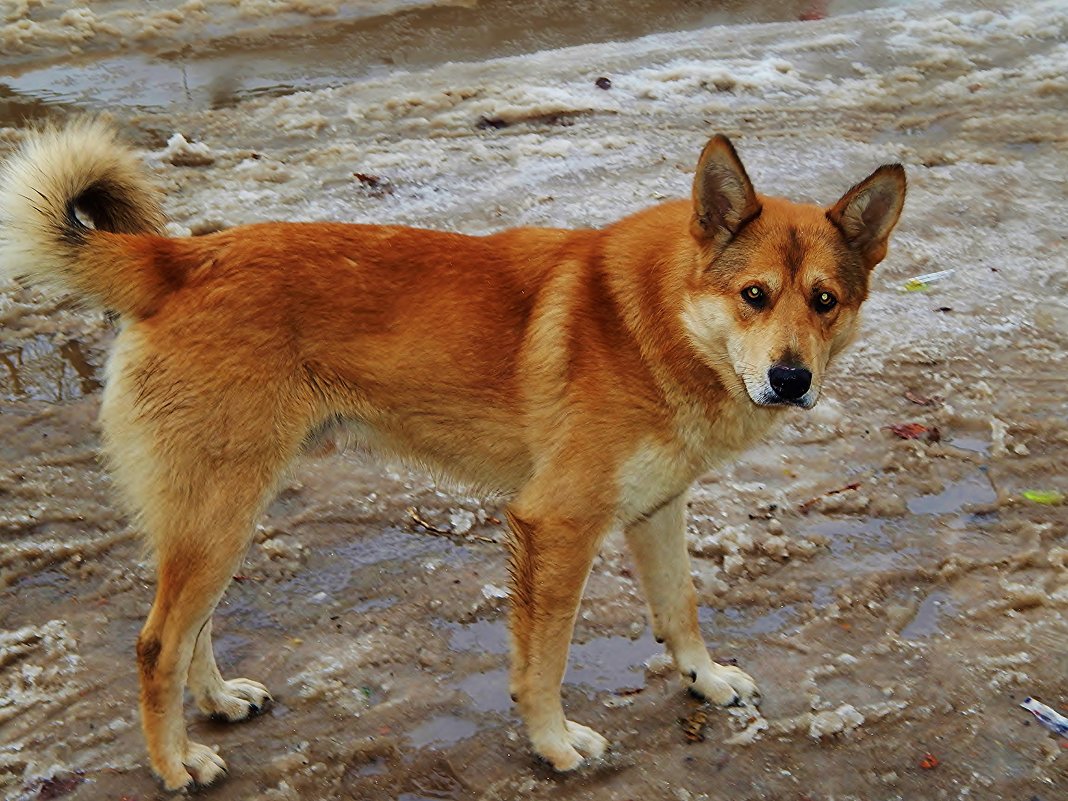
(914, 431)
(929, 762)
(1048, 497)
(921, 283)
(1048, 717)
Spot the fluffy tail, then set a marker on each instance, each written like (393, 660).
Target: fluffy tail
(83, 167)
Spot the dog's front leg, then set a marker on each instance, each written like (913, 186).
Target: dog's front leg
(658, 543)
(551, 559)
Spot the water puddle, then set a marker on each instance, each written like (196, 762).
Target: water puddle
(610, 662)
(213, 66)
(974, 490)
(442, 731)
(487, 691)
(973, 444)
(41, 370)
(741, 623)
(927, 620)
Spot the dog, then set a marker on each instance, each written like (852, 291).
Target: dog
(588, 375)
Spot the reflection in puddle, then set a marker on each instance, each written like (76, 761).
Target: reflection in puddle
(39, 370)
(973, 490)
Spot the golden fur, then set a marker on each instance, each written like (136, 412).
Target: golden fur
(591, 375)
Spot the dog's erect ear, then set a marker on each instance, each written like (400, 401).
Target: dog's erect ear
(868, 212)
(723, 196)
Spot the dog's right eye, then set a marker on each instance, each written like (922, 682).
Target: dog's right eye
(755, 297)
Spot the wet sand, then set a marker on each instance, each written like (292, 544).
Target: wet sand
(893, 598)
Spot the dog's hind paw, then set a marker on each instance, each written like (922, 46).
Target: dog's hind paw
(234, 700)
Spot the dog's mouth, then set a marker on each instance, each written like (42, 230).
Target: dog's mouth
(773, 400)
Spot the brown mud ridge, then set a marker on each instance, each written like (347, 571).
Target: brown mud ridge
(896, 595)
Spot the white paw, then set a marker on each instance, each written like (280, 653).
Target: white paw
(564, 750)
(724, 685)
(234, 700)
(200, 766)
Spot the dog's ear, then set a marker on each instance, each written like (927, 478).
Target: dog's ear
(723, 196)
(868, 212)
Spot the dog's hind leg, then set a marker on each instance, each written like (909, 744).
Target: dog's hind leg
(551, 560)
(196, 460)
(231, 700)
(199, 549)
(658, 543)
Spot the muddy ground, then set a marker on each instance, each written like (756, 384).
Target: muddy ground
(895, 599)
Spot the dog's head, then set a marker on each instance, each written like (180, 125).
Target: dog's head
(777, 286)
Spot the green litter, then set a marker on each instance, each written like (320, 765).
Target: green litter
(1047, 497)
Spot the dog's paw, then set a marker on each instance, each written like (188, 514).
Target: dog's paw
(234, 700)
(200, 766)
(564, 750)
(724, 685)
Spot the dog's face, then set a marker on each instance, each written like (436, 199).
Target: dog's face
(777, 286)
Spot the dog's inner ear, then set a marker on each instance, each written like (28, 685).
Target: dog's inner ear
(723, 196)
(868, 212)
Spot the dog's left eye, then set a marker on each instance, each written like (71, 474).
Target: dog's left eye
(825, 301)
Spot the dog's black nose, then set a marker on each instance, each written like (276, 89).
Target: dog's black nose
(789, 383)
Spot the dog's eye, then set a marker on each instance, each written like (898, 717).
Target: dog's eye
(825, 301)
(754, 296)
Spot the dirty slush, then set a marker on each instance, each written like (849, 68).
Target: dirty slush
(891, 567)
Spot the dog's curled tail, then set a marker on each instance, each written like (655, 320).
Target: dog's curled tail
(83, 167)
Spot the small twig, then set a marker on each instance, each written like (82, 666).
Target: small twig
(430, 528)
(807, 505)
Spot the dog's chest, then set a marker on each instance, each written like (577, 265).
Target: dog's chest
(659, 469)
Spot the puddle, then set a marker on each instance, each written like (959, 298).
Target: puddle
(611, 663)
(974, 490)
(487, 691)
(602, 663)
(927, 620)
(443, 730)
(198, 66)
(41, 370)
(741, 623)
(482, 636)
(973, 444)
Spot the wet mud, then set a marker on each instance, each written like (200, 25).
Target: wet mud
(895, 599)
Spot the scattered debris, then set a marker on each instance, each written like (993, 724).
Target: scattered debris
(496, 123)
(603, 83)
(935, 401)
(914, 431)
(377, 185)
(59, 786)
(430, 528)
(930, 762)
(837, 721)
(807, 505)
(921, 283)
(1047, 497)
(693, 726)
(1047, 716)
(182, 153)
